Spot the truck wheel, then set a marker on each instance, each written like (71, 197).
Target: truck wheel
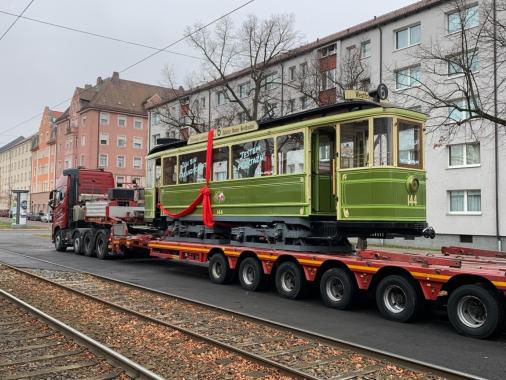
(102, 245)
(59, 243)
(476, 311)
(251, 274)
(290, 281)
(338, 288)
(398, 299)
(77, 243)
(88, 244)
(219, 270)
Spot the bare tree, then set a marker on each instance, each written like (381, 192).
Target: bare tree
(252, 47)
(454, 82)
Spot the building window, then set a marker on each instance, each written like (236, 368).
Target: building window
(408, 77)
(155, 118)
(104, 118)
(104, 139)
(328, 50)
(457, 65)
(291, 105)
(102, 161)
(83, 140)
(82, 160)
(220, 98)
(365, 49)
(203, 102)
(138, 123)
(243, 117)
(122, 141)
(120, 161)
(137, 162)
(328, 79)
(460, 155)
(137, 142)
(303, 69)
(292, 72)
(465, 201)
(303, 102)
(460, 111)
(122, 121)
(244, 90)
(120, 180)
(408, 36)
(270, 81)
(155, 139)
(468, 18)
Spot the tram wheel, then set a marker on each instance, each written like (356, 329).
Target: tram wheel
(251, 274)
(476, 311)
(290, 281)
(338, 289)
(398, 298)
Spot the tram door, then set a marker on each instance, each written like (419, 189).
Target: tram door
(323, 152)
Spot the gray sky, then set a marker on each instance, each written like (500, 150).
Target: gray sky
(41, 65)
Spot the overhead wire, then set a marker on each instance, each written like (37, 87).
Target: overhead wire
(139, 61)
(16, 20)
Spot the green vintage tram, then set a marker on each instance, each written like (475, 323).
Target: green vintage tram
(308, 180)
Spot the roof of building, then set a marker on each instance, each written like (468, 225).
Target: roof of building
(321, 42)
(17, 141)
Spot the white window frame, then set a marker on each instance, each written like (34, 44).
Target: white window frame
(328, 79)
(408, 28)
(362, 45)
(328, 50)
(122, 117)
(124, 162)
(104, 116)
(459, 26)
(476, 61)
(122, 182)
(106, 160)
(247, 86)
(133, 162)
(464, 114)
(412, 82)
(138, 120)
(100, 138)
(83, 140)
(134, 139)
(121, 137)
(464, 154)
(221, 99)
(292, 73)
(268, 81)
(465, 212)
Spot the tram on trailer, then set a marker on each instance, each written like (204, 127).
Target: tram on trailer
(306, 181)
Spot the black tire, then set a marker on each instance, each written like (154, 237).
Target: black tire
(290, 281)
(251, 274)
(59, 241)
(398, 298)
(219, 270)
(476, 311)
(102, 245)
(88, 244)
(338, 289)
(77, 243)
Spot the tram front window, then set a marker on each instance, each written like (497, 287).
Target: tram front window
(382, 141)
(409, 144)
(354, 137)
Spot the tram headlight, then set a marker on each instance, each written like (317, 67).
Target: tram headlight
(412, 184)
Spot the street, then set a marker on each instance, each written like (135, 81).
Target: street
(430, 339)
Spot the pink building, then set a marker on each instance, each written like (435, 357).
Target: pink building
(106, 126)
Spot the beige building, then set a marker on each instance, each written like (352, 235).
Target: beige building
(15, 169)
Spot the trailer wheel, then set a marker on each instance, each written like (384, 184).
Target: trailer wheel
(88, 244)
(77, 243)
(398, 299)
(476, 311)
(59, 243)
(251, 274)
(290, 281)
(219, 270)
(338, 288)
(102, 245)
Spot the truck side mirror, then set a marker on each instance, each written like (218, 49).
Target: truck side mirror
(51, 199)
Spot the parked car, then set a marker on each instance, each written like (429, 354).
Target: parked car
(47, 217)
(35, 216)
(4, 213)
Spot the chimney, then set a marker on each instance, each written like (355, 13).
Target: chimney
(99, 80)
(115, 77)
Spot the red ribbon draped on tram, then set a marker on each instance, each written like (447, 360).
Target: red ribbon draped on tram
(204, 195)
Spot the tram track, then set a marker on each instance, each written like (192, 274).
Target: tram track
(306, 354)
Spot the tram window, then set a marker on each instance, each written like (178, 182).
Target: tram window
(325, 150)
(382, 141)
(252, 159)
(150, 175)
(192, 167)
(220, 164)
(354, 137)
(169, 170)
(409, 144)
(290, 153)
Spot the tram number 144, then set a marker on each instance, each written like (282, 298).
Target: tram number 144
(412, 200)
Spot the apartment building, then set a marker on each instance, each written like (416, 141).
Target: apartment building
(15, 169)
(43, 161)
(106, 127)
(465, 173)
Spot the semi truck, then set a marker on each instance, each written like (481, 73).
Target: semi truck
(98, 219)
